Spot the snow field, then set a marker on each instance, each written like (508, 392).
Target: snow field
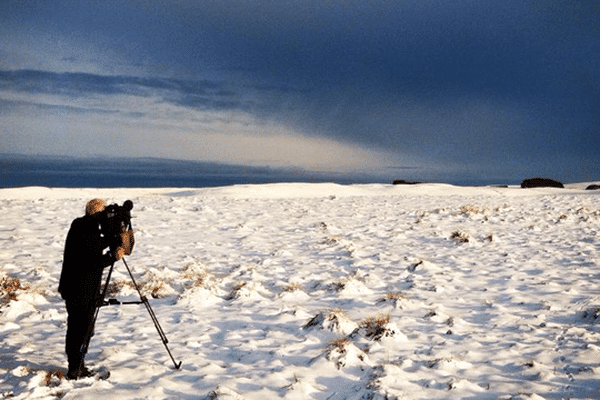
(299, 291)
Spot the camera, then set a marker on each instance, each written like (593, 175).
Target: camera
(114, 220)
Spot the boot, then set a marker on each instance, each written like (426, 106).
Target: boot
(77, 369)
(84, 372)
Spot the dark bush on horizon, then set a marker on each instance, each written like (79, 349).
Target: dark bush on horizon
(593, 187)
(540, 182)
(403, 182)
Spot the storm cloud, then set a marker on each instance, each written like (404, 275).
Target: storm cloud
(497, 91)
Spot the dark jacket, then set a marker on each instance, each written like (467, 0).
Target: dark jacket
(83, 260)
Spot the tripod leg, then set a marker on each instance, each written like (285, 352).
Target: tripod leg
(97, 303)
(161, 333)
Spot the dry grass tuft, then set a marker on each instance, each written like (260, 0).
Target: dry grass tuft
(338, 343)
(331, 240)
(378, 321)
(53, 377)
(375, 327)
(339, 285)
(472, 210)
(197, 277)
(393, 296)
(154, 289)
(234, 294)
(332, 320)
(114, 288)
(8, 288)
(292, 287)
(460, 237)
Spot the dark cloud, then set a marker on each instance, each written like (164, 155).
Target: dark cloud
(195, 94)
(456, 81)
(31, 109)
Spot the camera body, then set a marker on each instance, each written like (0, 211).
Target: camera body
(114, 220)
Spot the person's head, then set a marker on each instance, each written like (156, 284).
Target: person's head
(94, 206)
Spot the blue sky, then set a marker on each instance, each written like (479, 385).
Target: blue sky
(501, 90)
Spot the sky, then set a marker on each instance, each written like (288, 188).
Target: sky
(490, 90)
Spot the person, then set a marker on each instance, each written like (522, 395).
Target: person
(87, 252)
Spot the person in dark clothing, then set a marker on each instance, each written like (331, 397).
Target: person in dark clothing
(86, 254)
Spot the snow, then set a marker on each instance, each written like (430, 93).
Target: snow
(317, 291)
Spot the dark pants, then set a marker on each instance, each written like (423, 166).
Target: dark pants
(79, 321)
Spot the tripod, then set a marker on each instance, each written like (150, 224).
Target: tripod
(143, 300)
